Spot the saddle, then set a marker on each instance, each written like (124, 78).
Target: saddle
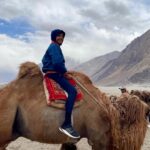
(56, 96)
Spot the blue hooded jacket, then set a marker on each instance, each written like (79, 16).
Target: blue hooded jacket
(53, 60)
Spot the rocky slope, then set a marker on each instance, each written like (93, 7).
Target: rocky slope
(131, 67)
(94, 65)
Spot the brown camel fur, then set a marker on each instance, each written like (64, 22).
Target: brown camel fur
(23, 112)
(143, 95)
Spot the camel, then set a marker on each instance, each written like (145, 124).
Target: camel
(143, 95)
(24, 112)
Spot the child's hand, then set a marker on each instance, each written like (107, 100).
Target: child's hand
(68, 75)
(69, 72)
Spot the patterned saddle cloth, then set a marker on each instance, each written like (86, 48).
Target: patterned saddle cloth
(54, 92)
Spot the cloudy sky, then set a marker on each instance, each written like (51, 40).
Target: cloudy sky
(93, 28)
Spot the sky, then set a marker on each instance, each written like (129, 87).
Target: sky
(93, 28)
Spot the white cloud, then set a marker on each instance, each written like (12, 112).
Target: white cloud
(15, 51)
(92, 27)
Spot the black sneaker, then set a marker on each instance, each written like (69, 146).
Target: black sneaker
(69, 130)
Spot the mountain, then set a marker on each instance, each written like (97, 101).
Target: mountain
(131, 67)
(71, 63)
(94, 65)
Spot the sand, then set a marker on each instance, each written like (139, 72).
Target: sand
(25, 144)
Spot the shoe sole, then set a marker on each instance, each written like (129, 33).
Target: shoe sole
(68, 134)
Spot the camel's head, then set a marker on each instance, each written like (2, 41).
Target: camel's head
(113, 98)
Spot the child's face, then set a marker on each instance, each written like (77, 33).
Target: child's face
(60, 39)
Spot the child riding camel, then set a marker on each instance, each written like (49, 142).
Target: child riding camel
(54, 64)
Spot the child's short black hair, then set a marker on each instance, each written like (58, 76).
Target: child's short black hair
(55, 33)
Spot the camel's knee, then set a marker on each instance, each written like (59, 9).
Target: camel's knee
(68, 146)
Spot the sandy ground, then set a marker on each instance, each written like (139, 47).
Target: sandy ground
(25, 144)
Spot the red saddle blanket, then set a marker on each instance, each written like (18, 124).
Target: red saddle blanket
(55, 92)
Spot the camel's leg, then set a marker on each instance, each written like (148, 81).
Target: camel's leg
(3, 147)
(99, 142)
(99, 135)
(8, 111)
(68, 146)
(6, 137)
(99, 147)
(3, 144)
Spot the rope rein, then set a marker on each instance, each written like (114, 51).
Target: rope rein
(86, 90)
